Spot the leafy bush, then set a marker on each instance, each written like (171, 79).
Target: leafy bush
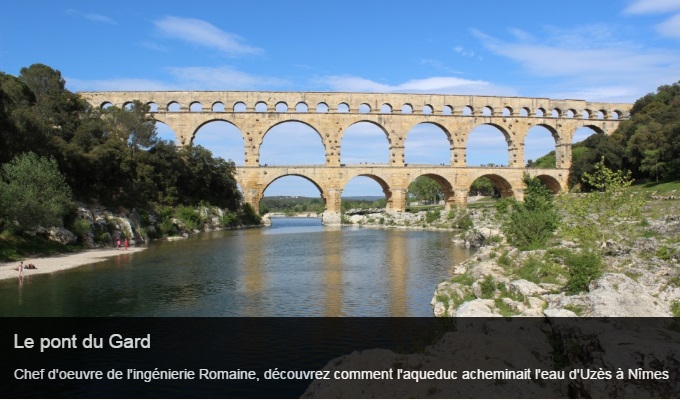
(80, 228)
(191, 218)
(529, 224)
(583, 268)
(432, 216)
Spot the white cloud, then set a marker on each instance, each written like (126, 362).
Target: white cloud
(605, 69)
(204, 34)
(91, 16)
(184, 78)
(221, 78)
(652, 6)
(83, 85)
(670, 27)
(443, 85)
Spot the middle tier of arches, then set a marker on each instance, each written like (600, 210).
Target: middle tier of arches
(255, 127)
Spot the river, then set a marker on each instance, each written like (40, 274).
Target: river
(296, 267)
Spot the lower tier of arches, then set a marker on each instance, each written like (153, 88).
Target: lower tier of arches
(394, 181)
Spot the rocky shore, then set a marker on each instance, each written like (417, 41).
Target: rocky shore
(641, 278)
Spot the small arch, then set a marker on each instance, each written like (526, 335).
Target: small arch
(364, 185)
(153, 107)
(195, 107)
(343, 108)
(571, 113)
(261, 107)
(556, 113)
(407, 109)
(445, 193)
(106, 105)
(322, 108)
(507, 111)
(551, 183)
(281, 106)
(281, 189)
(174, 106)
(447, 110)
(502, 185)
(616, 114)
(487, 111)
(427, 109)
(217, 106)
(364, 108)
(540, 112)
(301, 107)
(586, 114)
(127, 106)
(386, 108)
(492, 185)
(468, 110)
(240, 107)
(524, 112)
(602, 114)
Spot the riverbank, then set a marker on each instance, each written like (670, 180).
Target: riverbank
(48, 265)
(640, 273)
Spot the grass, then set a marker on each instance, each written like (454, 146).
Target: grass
(675, 308)
(660, 188)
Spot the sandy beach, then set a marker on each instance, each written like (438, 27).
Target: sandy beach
(47, 265)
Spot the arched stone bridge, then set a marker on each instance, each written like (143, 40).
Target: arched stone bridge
(330, 114)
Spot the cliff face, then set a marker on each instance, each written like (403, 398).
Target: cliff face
(97, 226)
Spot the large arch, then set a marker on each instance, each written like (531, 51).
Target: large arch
(354, 141)
(223, 138)
(290, 143)
(424, 144)
(349, 189)
(539, 141)
(488, 148)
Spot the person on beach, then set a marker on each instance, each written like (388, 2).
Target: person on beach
(125, 242)
(21, 270)
(118, 243)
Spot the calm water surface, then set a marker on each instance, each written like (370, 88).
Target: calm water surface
(296, 267)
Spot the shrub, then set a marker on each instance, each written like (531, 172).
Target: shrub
(583, 268)
(432, 215)
(80, 228)
(529, 224)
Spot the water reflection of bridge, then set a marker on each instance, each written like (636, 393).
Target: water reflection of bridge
(330, 114)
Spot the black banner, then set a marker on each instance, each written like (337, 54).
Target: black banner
(340, 357)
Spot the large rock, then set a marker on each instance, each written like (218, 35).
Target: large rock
(476, 308)
(61, 235)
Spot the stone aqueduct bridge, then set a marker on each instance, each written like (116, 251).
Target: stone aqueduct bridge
(330, 114)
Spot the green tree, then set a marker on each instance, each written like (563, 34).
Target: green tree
(33, 193)
(425, 188)
(592, 218)
(529, 224)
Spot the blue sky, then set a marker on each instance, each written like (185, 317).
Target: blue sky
(592, 50)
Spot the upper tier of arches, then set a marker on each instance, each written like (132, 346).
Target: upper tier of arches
(366, 103)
